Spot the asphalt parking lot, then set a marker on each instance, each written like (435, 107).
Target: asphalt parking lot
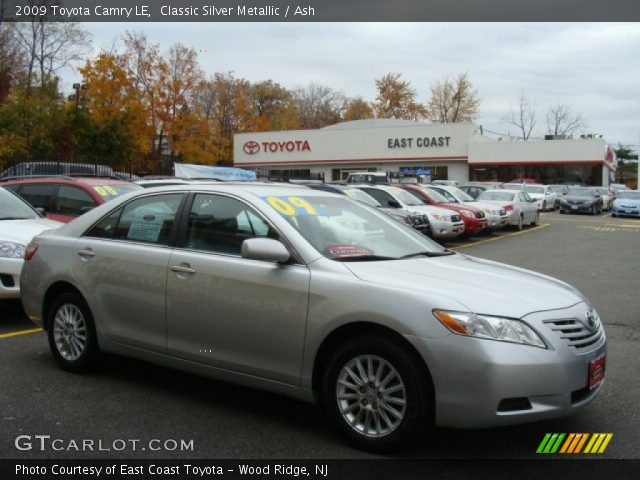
(126, 399)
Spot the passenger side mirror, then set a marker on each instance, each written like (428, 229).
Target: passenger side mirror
(264, 249)
(86, 209)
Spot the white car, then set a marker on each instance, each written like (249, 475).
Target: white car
(607, 197)
(544, 196)
(19, 223)
(521, 208)
(496, 217)
(444, 223)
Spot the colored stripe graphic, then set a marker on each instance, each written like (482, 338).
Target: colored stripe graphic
(573, 443)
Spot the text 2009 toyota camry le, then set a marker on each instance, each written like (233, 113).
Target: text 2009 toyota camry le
(316, 296)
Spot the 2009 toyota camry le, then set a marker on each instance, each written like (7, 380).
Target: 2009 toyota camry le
(316, 296)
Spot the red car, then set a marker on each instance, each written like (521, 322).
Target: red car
(473, 218)
(64, 198)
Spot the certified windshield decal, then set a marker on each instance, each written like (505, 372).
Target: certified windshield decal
(347, 251)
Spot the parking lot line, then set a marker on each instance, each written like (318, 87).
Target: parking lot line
(624, 225)
(539, 227)
(20, 332)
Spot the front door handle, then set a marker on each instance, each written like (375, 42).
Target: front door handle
(87, 252)
(182, 268)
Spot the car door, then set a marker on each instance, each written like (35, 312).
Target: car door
(223, 310)
(528, 205)
(121, 263)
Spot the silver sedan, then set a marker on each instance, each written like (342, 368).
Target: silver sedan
(319, 297)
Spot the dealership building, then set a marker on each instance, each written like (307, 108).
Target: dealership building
(453, 151)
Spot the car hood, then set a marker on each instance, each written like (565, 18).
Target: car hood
(627, 201)
(483, 286)
(429, 210)
(574, 198)
(22, 231)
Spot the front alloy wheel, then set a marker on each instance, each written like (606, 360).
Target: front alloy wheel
(371, 396)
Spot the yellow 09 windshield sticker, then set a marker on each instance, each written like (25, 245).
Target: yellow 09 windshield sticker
(105, 190)
(292, 206)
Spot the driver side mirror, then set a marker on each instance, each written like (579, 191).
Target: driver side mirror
(264, 249)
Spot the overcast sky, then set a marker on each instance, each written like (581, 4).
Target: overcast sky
(594, 68)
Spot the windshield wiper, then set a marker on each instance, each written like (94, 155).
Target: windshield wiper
(444, 253)
(364, 258)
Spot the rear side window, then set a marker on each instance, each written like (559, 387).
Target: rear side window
(73, 201)
(38, 194)
(106, 227)
(148, 219)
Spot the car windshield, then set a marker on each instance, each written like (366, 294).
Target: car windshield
(361, 196)
(344, 230)
(630, 194)
(461, 195)
(448, 196)
(530, 189)
(494, 195)
(602, 191)
(438, 197)
(404, 196)
(113, 190)
(13, 207)
(557, 188)
(581, 192)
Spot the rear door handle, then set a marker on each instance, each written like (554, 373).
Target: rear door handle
(184, 268)
(87, 252)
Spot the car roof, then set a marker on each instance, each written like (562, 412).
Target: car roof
(75, 180)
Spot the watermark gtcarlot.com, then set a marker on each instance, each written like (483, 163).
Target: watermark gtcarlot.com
(45, 443)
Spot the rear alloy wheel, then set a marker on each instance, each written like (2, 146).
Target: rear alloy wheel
(377, 395)
(544, 206)
(71, 333)
(593, 210)
(536, 219)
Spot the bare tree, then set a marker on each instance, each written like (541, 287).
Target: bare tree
(562, 120)
(49, 47)
(453, 100)
(318, 105)
(10, 61)
(522, 115)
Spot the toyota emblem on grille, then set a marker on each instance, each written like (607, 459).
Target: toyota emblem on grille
(251, 147)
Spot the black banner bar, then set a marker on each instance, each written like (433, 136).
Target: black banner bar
(373, 469)
(319, 10)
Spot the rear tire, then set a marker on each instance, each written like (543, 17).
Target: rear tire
(536, 220)
(377, 394)
(71, 333)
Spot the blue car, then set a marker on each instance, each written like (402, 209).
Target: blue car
(627, 203)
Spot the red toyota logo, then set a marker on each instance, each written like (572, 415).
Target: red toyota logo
(251, 147)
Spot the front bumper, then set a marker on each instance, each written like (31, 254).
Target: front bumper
(475, 378)
(474, 225)
(442, 229)
(626, 211)
(10, 269)
(579, 208)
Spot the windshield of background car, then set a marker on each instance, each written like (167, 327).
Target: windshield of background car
(358, 194)
(631, 195)
(14, 208)
(462, 195)
(114, 190)
(602, 191)
(404, 196)
(493, 195)
(436, 196)
(581, 192)
(529, 189)
(449, 197)
(557, 188)
(344, 230)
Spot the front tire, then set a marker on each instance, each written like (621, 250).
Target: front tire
(377, 394)
(520, 223)
(536, 220)
(71, 333)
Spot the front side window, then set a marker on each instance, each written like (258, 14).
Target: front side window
(385, 199)
(148, 219)
(73, 201)
(220, 224)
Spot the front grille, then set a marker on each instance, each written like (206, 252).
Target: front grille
(574, 333)
(7, 280)
(480, 215)
(456, 218)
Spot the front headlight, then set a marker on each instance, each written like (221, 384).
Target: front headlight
(485, 326)
(11, 250)
(467, 213)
